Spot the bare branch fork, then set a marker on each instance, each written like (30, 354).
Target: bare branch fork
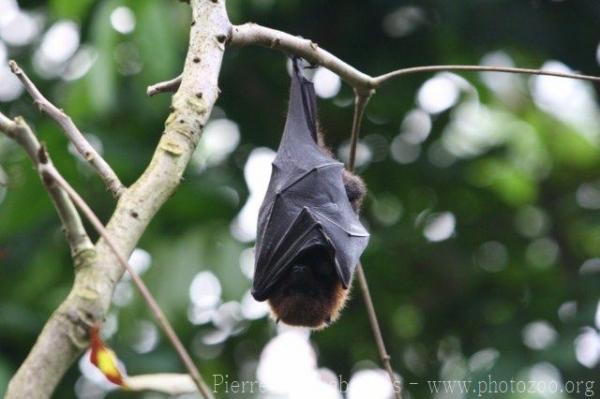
(53, 175)
(76, 236)
(51, 178)
(64, 196)
(254, 34)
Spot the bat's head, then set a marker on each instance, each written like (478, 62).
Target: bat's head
(310, 293)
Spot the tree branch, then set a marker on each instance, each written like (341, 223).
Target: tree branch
(363, 84)
(171, 384)
(84, 148)
(65, 334)
(360, 103)
(164, 87)
(253, 34)
(52, 175)
(385, 358)
(77, 238)
(62, 194)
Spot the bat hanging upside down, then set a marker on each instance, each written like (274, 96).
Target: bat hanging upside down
(309, 237)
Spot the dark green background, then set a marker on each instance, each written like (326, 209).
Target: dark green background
(433, 299)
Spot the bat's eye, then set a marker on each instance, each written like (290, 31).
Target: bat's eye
(299, 269)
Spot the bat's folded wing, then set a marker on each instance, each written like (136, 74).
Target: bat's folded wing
(306, 204)
(278, 253)
(345, 235)
(303, 210)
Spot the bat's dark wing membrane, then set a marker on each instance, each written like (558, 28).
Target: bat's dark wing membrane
(306, 203)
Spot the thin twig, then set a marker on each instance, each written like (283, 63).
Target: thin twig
(164, 87)
(152, 304)
(479, 68)
(386, 359)
(360, 103)
(75, 233)
(83, 146)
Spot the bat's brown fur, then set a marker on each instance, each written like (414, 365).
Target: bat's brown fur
(310, 293)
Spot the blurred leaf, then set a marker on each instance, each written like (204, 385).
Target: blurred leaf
(156, 42)
(510, 183)
(102, 80)
(70, 9)
(573, 150)
(5, 374)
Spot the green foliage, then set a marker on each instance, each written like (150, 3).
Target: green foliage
(518, 180)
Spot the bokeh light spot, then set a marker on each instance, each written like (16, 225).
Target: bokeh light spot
(219, 138)
(416, 126)
(440, 227)
(539, 335)
(587, 347)
(257, 172)
(403, 21)
(205, 290)
(492, 256)
(122, 20)
(438, 94)
(372, 384)
(327, 84)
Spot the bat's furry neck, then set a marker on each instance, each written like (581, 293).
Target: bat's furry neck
(354, 185)
(310, 293)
